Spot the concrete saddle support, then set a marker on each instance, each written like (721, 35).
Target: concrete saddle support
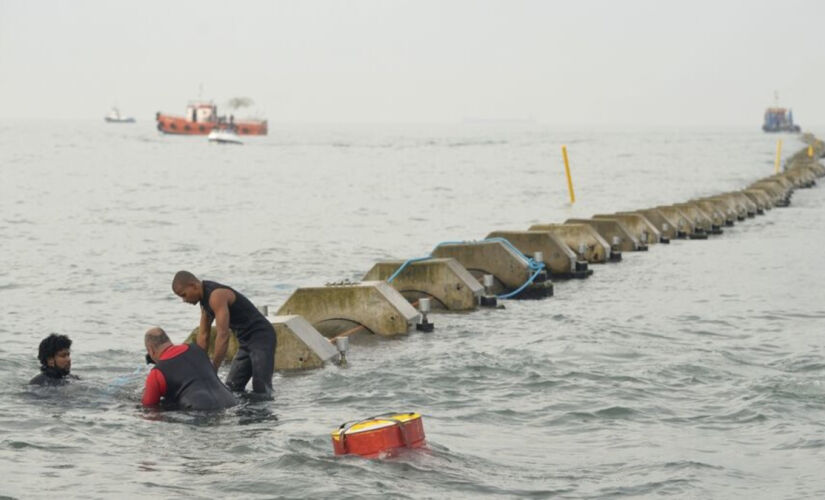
(340, 308)
(713, 209)
(701, 220)
(558, 258)
(760, 197)
(644, 230)
(509, 269)
(445, 281)
(668, 228)
(581, 239)
(299, 345)
(614, 231)
(684, 225)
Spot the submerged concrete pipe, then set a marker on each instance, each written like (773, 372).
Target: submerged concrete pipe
(299, 345)
(701, 220)
(559, 260)
(642, 229)
(684, 225)
(335, 309)
(613, 230)
(669, 229)
(444, 280)
(509, 269)
(581, 239)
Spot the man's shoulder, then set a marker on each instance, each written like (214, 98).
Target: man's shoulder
(44, 379)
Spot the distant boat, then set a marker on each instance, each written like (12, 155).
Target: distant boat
(202, 117)
(224, 136)
(779, 119)
(115, 117)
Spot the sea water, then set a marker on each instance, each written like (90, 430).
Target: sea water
(694, 369)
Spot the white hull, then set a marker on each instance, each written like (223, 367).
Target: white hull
(224, 137)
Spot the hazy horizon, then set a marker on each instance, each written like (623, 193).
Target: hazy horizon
(590, 63)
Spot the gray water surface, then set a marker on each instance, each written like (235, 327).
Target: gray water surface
(693, 370)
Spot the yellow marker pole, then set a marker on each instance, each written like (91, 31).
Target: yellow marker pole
(567, 171)
(778, 154)
(810, 151)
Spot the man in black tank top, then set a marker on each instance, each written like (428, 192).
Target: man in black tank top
(229, 309)
(182, 377)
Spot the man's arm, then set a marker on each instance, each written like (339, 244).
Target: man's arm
(203, 330)
(219, 302)
(155, 388)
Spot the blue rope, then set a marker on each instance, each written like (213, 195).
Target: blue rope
(534, 266)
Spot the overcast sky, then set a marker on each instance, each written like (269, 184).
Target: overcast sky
(558, 62)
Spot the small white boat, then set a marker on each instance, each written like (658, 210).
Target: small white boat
(224, 136)
(115, 117)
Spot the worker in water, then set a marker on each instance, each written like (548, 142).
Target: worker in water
(229, 309)
(55, 361)
(183, 377)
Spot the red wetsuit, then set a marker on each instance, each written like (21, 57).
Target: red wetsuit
(155, 381)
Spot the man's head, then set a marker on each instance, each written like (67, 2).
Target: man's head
(187, 287)
(156, 342)
(54, 352)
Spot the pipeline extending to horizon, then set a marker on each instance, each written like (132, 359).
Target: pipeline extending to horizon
(691, 219)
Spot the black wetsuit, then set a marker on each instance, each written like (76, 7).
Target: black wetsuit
(191, 382)
(256, 338)
(52, 376)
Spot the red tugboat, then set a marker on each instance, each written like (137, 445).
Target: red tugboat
(202, 117)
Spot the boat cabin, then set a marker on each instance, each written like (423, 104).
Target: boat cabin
(202, 112)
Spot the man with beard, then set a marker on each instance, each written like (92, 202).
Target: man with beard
(55, 361)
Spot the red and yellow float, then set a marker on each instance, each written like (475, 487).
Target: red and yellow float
(379, 436)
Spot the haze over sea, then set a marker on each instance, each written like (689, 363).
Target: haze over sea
(693, 370)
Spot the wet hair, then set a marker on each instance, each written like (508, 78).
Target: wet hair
(182, 279)
(51, 345)
(156, 337)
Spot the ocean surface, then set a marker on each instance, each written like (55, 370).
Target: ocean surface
(694, 370)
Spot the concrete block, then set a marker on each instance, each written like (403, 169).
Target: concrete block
(582, 239)
(641, 227)
(694, 212)
(609, 229)
(713, 208)
(335, 309)
(300, 346)
(667, 227)
(509, 269)
(685, 225)
(760, 197)
(444, 280)
(560, 261)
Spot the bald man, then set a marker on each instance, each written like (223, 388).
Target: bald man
(229, 309)
(183, 377)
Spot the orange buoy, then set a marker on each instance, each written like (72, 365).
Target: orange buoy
(379, 436)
